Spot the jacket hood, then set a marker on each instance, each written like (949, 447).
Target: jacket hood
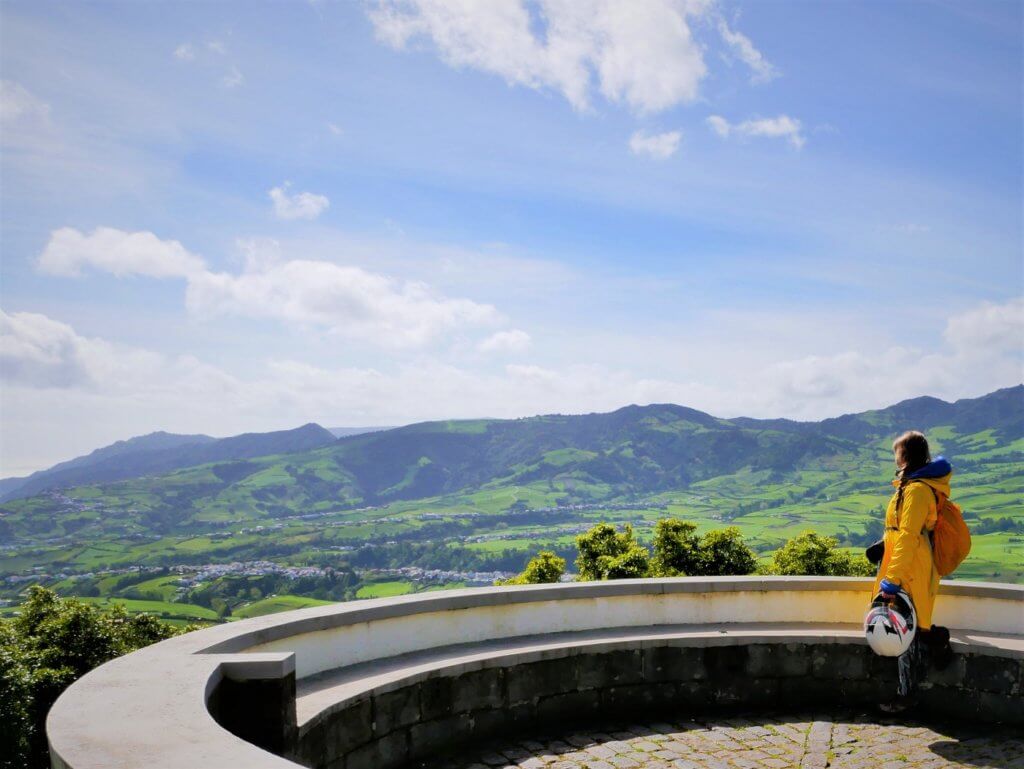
(936, 474)
(935, 469)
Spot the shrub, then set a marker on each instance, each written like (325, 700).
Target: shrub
(545, 567)
(632, 564)
(50, 644)
(676, 549)
(599, 547)
(812, 554)
(723, 552)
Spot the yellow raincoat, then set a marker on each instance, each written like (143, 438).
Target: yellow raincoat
(908, 550)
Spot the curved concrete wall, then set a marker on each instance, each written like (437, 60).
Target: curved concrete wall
(533, 610)
(152, 708)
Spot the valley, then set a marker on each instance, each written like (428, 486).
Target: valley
(463, 503)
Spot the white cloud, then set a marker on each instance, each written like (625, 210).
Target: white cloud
(217, 47)
(185, 52)
(335, 129)
(988, 329)
(39, 352)
(985, 351)
(513, 341)
(17, 104)
(761, 69)
(641, 53)
(348, 301)
(117, 252)
(233, 78)
(781, 127)
(299, 205)
(719, 125)
(344, 300)
(54, 377)
(660, 146)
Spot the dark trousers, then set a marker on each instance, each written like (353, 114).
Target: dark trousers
(913, 664)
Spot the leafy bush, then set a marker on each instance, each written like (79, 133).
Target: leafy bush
(49, 645)
(632, 564)
(812, 554)
(723, 553)
(545, 567)
(603, 551)
(676, 549)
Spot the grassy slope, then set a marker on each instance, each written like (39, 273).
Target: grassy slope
(836, 487)
(276, 603)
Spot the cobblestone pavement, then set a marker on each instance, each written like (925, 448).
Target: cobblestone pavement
(800, 742)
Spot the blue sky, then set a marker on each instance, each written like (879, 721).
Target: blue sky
(222, 217)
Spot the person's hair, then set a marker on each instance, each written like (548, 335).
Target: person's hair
(912, 454)
(911, 451)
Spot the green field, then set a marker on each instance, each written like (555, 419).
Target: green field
(163, 609)
(275, 604)
(373, 506)
(384, 589)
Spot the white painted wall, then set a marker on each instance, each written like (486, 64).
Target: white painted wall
(350, 644)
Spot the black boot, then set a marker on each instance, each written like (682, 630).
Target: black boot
(939, 649)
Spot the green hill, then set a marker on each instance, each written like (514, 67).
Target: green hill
(159, 453)
(483, 493)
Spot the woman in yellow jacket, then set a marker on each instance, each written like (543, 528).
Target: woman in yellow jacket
(907, 561)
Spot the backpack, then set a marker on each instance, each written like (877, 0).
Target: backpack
(951, 539)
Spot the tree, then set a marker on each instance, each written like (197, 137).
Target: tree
(812, 554)
(632, 564)
(50, 644)
(605, 553)
(601, 541)
(16, 716)
(723, 552)
(545, 567)
(676, 548)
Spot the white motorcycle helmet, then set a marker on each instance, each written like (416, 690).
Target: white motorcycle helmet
(891, 624)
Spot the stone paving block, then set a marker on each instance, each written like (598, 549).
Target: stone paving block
(807, 741)
(579, 740)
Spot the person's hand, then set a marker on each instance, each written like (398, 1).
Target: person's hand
(890, 589)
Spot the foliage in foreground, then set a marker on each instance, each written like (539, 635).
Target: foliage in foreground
(607, 553)
(50, 644)
(811, 553)
(543, 568)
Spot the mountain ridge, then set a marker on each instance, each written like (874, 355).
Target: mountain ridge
(162, 452)
(631, 450)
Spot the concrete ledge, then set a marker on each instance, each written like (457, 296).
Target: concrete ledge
(248, 671)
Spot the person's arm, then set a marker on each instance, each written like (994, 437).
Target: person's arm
(917, 501)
